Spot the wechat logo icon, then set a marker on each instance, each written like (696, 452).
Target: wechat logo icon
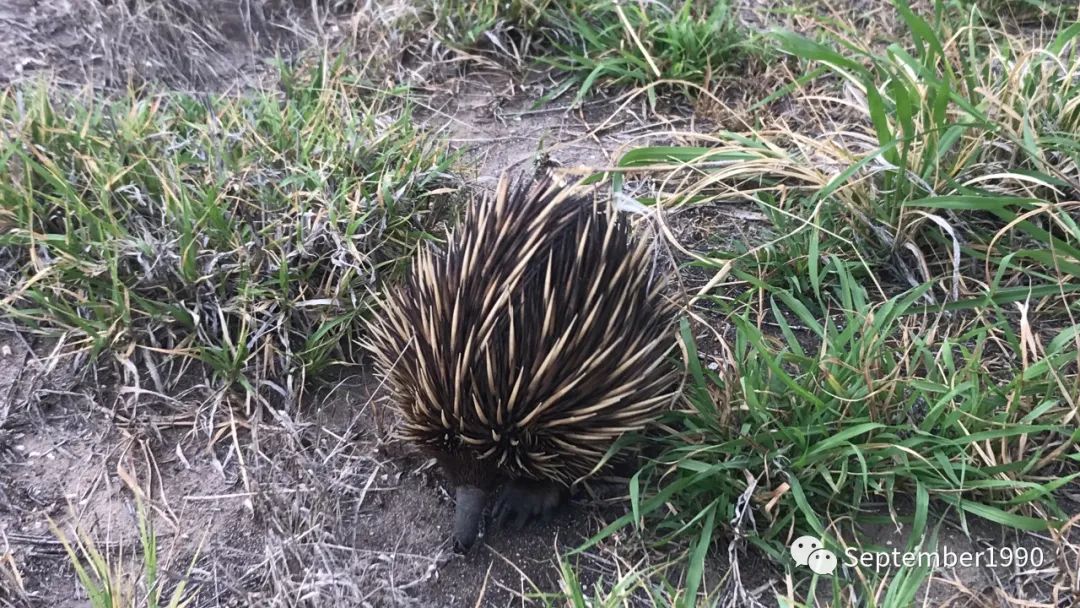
(808, 551)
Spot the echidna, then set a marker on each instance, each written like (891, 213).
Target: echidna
(521, 353)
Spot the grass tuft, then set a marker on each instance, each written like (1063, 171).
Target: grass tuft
(684, 45)
(1025, 12)
(104, 576)
(466, 24)
(243, 232)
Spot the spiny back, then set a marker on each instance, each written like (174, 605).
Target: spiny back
(536, 340)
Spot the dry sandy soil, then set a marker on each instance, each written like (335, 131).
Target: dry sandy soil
(314, 506)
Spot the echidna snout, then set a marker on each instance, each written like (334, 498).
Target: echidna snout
(467, 515)
(518, 502)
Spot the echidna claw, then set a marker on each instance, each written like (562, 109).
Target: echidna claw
(525, 500)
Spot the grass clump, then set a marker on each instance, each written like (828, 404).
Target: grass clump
(684, 45)
(877, 413)
(105, 576)
(466, 24)
(1025, 12)
(905, 339)
(955, 158)
(243, 232)
(974, 164)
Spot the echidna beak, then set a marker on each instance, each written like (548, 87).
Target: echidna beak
(467, 515)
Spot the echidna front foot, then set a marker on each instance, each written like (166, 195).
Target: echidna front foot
(524, 500)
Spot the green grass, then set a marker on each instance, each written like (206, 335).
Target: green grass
(469, 24)
(972, 161)
(1025, 11)
(908, 332)
(106, 578)
(683, 46)
(246, 232)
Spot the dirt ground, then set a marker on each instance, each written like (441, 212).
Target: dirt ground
(189, 45)
(317, 506)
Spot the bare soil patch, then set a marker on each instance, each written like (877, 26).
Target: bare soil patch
(190, 45)
(315, 505)
(495, 118)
